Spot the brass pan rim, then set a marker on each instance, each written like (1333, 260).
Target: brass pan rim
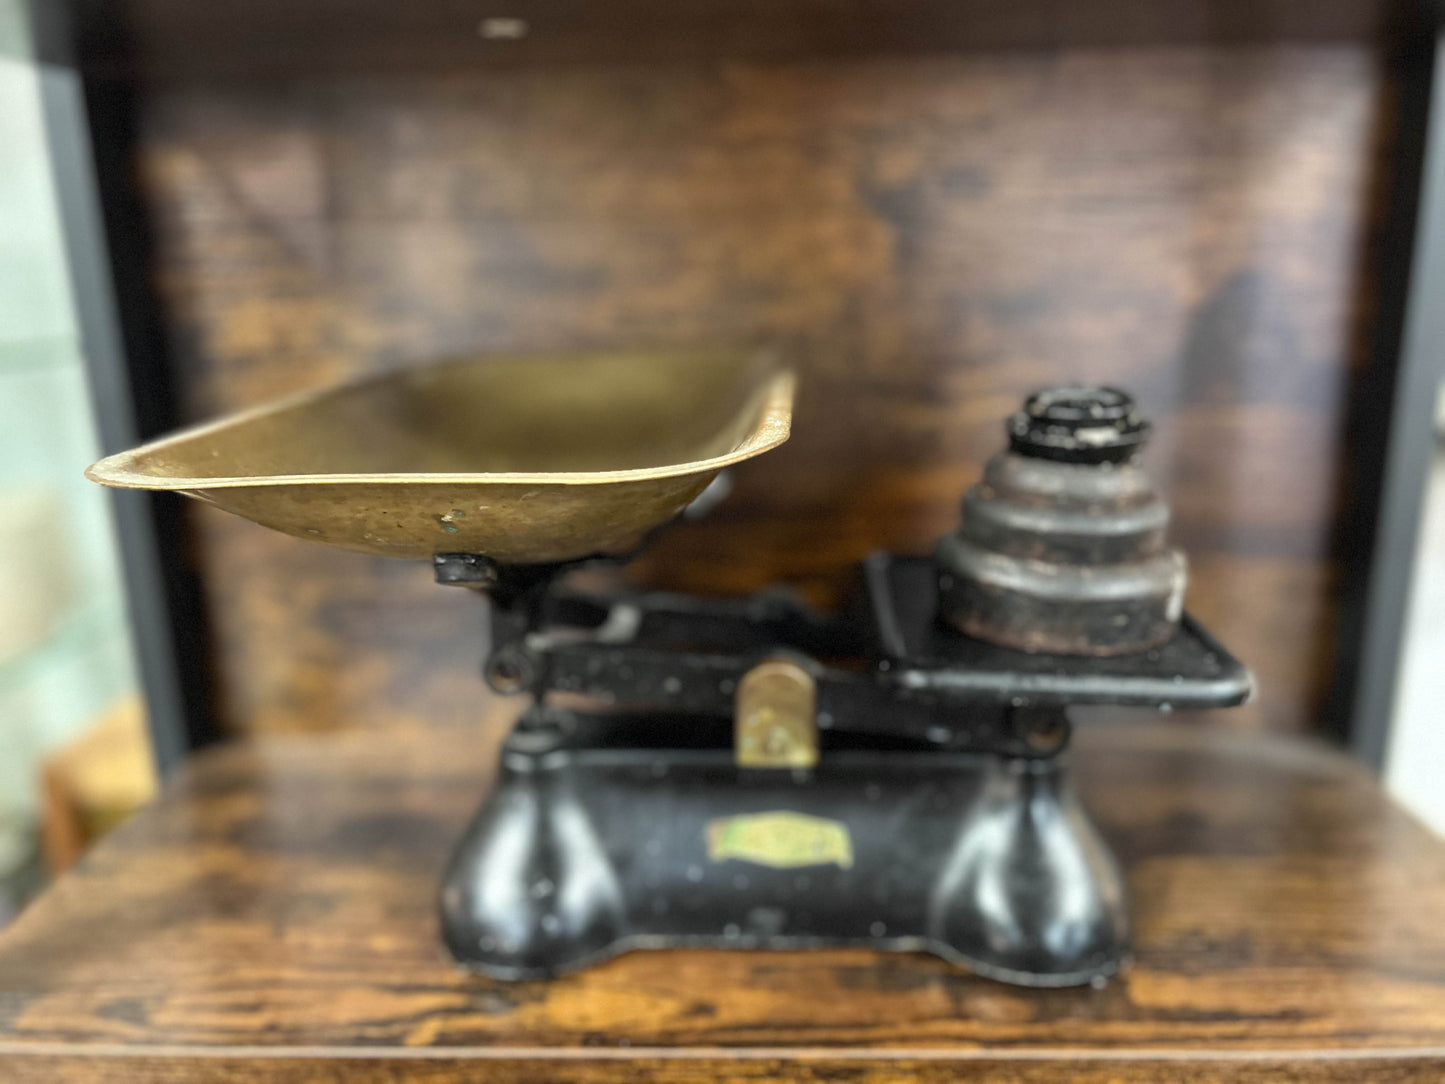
(772, 428)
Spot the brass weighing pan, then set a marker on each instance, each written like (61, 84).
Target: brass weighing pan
(525, 459)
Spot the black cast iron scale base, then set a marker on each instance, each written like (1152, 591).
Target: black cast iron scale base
(938, 816)
(596, 842)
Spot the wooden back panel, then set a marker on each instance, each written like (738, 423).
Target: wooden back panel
(928, 238)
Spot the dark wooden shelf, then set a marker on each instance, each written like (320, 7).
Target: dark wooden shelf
(181, 39)
(272, 918)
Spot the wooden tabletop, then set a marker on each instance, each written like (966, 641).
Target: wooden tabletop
(271, 918)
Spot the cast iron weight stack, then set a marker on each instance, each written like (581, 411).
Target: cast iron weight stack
(1062, 544)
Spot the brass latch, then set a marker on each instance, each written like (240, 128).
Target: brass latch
(775, 717)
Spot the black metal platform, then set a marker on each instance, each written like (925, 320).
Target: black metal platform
(1192, 670)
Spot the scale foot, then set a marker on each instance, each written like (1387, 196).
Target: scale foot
(530, 891)
(1030, 894)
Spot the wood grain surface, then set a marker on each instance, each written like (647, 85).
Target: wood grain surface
(273, 918)
(814, 1067)
(928, 238)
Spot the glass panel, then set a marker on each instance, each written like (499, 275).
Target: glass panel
(65, 657)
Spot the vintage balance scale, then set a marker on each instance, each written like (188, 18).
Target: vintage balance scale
(747, 773)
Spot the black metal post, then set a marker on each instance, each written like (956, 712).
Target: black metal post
(1396, 431)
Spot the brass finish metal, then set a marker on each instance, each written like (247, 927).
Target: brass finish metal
(775, 717)
(524, 459)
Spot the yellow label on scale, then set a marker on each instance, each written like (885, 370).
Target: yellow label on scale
(781, 839)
